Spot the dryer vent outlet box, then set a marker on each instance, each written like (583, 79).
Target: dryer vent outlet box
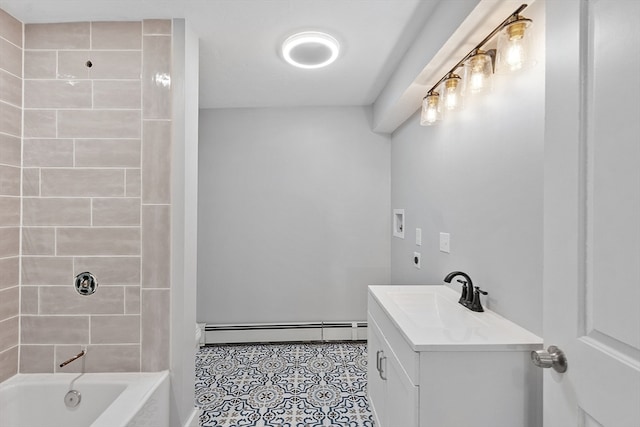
(398, 223)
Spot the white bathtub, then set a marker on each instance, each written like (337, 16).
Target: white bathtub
(107, 400)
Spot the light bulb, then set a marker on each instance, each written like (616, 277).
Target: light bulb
(430, 109)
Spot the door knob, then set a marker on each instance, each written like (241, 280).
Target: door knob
(552, 357)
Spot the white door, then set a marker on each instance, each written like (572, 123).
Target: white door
(592, 212)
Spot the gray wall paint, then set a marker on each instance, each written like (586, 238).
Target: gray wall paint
(293, 214)
(479, 177)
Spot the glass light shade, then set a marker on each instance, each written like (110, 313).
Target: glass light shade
(451, 90)
(514, 46)
(477, 73)
(430, 109)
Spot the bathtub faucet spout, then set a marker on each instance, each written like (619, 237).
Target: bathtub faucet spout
(76, 357)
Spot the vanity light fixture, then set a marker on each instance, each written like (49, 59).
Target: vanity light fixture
(310, 49)
(478, 67)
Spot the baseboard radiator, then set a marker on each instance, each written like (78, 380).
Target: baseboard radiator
(285, 332)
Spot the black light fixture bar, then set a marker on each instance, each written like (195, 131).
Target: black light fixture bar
(479, 45)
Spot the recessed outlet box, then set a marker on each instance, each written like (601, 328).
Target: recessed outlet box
(416, 260)
(418, 236)
(445, 243)
(398, 223)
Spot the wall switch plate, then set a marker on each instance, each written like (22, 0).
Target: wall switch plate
(445, 243)
(398, 223)
(416, 260)
(418, 236)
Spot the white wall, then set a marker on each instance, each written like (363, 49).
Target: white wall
(184, 220)
(293, 214)
(479, 177)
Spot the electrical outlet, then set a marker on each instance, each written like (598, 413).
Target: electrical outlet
(416, 260)
(445, 243)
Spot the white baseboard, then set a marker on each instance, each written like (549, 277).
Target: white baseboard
(285, 332)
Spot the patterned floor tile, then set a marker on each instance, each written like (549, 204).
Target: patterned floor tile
(283, 385)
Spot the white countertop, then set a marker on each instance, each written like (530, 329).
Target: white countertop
(430, 319)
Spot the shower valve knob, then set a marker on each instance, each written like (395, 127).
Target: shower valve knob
(86, 283)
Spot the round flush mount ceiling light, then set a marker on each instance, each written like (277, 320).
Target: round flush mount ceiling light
(310, 49)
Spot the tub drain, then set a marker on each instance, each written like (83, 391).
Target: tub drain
(72, 398)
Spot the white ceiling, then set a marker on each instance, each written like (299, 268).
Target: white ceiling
(240, 65)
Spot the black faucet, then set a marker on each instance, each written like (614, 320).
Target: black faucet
(467, 287)
(469, 297)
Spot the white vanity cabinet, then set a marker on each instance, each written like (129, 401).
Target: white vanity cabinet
(434, 363)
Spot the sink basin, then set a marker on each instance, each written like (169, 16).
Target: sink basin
(430, 319)
(434, 310)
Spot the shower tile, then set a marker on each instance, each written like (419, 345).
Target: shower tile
(40, 64)
(156, 246)
(9, 302)
(29, 300)
(111, 270)
(36, 359)
(65, 300)
(57, 94)
(10, 28)
(132, 184)
(9, 272)
(9, 333)
(73, 35)
(10, 88)
(54, 329)
(40, 123)
(116, 211)
(156, 162)
(108, 153)
(99, 124)
(30, 182)
(10, 119)
(116, 64)
(50, 211)
(10, 148)
(82, 182)
(157, 26)
(8, 363)
(157, 77)
(48, 152)
(116, 35)
(155, 329)
(38, 241)
(132, 300)
(47, 271)
(100, 358)
(9, 211)
(10, 58)
(98, 241)
(9, 242)
(115, 329)
(9, 180)
(73, 64)
(124, 94)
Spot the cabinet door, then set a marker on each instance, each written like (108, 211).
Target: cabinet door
(376, 386)
(402, 396)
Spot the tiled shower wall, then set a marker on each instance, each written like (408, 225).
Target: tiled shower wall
(10, 158)
(96, 195)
